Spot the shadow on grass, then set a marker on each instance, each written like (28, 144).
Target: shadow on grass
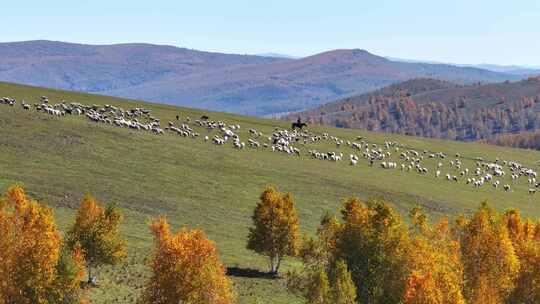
(250, 273)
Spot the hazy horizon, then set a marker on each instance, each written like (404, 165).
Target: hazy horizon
(292, 56)
(461, 32)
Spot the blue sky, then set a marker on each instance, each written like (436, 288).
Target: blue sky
(457, 31)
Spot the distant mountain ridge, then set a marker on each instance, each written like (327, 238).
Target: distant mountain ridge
(509, 69)
(245, 84)
(278, 55)
(101, 68)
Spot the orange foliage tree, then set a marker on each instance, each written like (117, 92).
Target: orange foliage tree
(33, 266)
(96, 232)
(486, 258)
(275, 231)
(433, 259)
(185, 269)
(525, 237)
(490, 263)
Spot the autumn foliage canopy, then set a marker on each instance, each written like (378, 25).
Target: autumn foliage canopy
(96, 232)
(34, 265)
(367, 255)
(275, 232)
(486, 258)
(185, 269)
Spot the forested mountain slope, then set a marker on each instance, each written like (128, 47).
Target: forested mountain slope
(438, 109)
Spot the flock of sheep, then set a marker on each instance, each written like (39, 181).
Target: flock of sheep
(484, 173)
(387, 156)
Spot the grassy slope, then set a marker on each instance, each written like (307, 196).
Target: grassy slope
(213, 187)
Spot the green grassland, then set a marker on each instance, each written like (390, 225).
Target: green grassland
(198, 184)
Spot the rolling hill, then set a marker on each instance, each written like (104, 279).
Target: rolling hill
(524, 71)
(511, 69)
(243, 84)
(440, 109)
(199, 184)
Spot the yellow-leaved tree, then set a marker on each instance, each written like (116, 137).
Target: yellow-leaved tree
(323, 279)
(70, 273)
(185, 269)
(34, 267)
(343, 289)
(490, 263)
(526, 241)
(373, 243)
(318, 288)
(96, 232)
(433, 259)
(364, 256)
(275, 231)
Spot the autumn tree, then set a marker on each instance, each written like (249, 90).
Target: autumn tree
(490, 263)
(526, 241)
(343, 289)
(323, 279)
(320, 251)
(33, 266)
(527, 288)
(372, 242)
(96, 232)
(70, 273)
(185, 269)
(318, 289)
(314, 284)
(275, 231)
(433, 260)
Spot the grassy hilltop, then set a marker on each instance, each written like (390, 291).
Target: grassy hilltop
(199, 184)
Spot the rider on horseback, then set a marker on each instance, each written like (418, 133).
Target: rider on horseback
(298, 124)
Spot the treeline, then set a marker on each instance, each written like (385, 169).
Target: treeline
(524, 140)
(400, 114)
(367, 254)
(486, 257)
(38, 265)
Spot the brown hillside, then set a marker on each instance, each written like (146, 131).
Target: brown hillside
(433, 108)
(245, 84)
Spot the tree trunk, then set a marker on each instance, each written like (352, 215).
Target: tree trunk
(272, 265)
(275, 262)
(278, 264)
(91, 280)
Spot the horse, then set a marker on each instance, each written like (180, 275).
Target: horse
(299, 125)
